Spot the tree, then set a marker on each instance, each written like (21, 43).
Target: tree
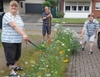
(53, 3)
(46, 3)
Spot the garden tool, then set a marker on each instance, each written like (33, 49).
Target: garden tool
(32, 43)
(49, 41)
(40, 47)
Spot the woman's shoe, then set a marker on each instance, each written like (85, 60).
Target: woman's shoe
(82, 49)
(18, 68)
(90, 52)
(13, 73)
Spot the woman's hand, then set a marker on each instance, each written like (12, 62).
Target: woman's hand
(25, 37)
(96, 36)
(81, 37)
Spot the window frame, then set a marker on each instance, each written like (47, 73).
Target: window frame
(82, 8)
(86, 6)
(72, 8)
(77, 4)
(21, 4)
(69, 9)
(98, 4)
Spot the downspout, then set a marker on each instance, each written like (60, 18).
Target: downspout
(59, 5)
(62, 5)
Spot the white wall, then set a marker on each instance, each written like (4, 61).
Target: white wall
(76, 15)
(34, 1)
(78, 0)
(21, 9)
(6, 6)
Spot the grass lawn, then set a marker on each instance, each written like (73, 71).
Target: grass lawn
(70, 20)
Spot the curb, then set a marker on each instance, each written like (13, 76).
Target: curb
(68, 25)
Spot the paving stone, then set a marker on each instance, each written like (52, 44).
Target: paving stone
(83, 65)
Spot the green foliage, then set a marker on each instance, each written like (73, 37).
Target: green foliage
(70, 20)
(68, 38)
(52, 60)
(46, 3)
(53, 2)
(60, 14)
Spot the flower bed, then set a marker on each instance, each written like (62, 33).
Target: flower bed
(54, 55)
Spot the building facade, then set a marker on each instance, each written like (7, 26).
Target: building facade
(4, 5)
(25, 6)
(80, 8)
(31, 6)
(71, 8)
(96, 8)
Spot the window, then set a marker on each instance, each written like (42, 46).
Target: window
(80, 8)
(1, 6)
(86, 8)
(97, 7)
(77, 6)
(73, 8)
(21, 4)
(67, 8)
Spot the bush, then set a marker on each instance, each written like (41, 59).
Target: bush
(60, 14)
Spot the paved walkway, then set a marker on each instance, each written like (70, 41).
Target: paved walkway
(2, 59)
(84, 65)
(31, 18)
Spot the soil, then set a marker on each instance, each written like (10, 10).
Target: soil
(2, 59)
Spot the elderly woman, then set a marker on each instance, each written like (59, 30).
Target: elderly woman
(12, 34)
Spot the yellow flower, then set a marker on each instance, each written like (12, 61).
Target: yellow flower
(39, 76)
(65, 61)
(61, 52)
